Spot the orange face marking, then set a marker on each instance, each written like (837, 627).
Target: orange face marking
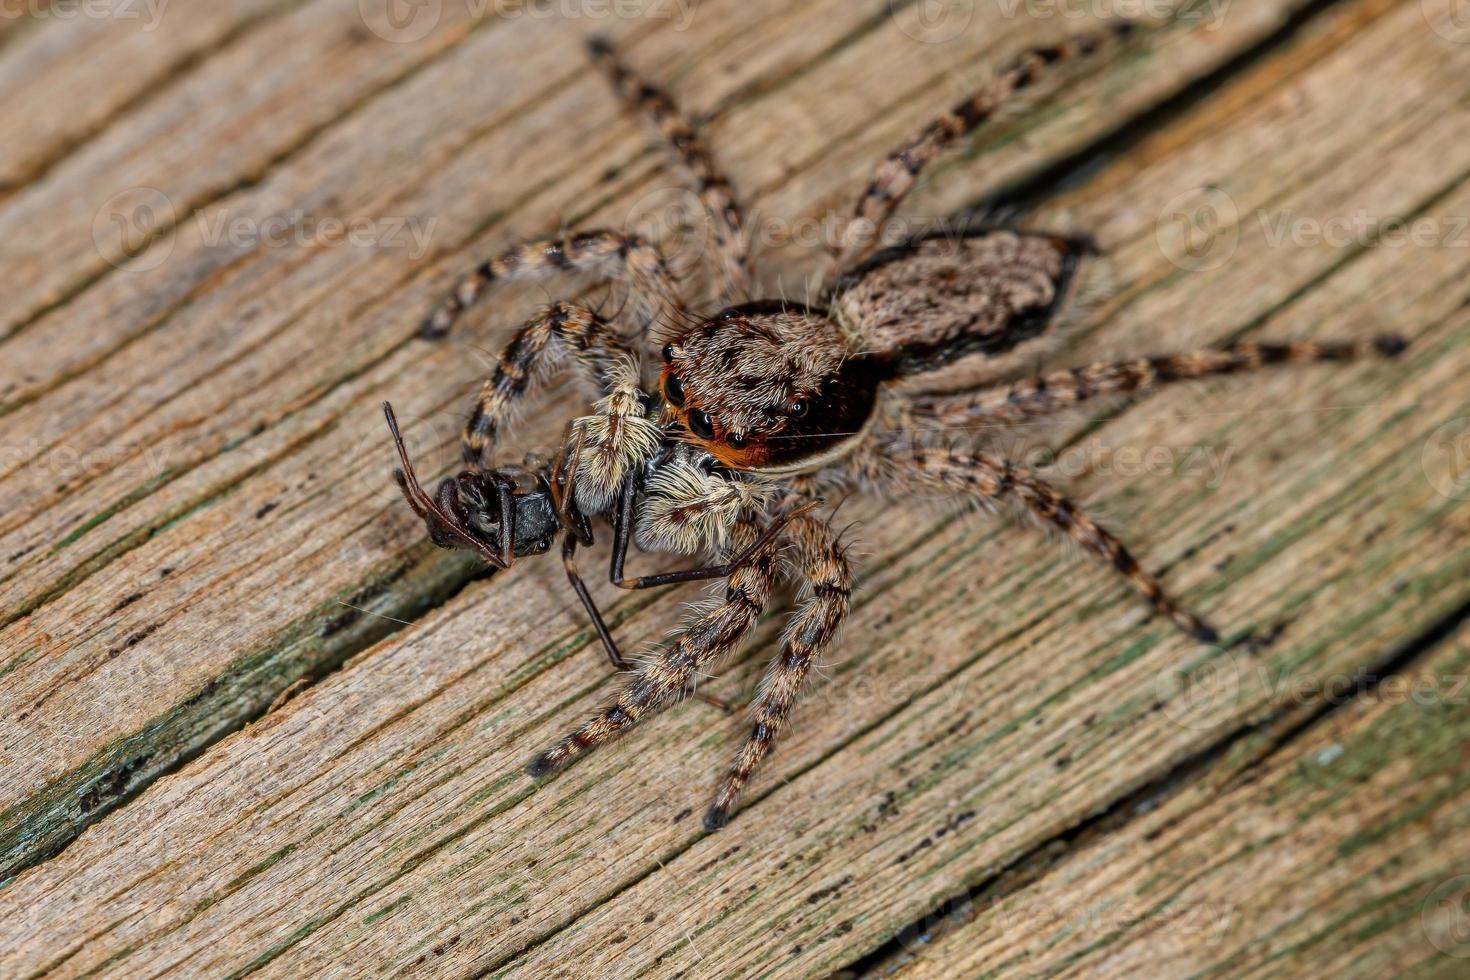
(752, 453)
(804, 430)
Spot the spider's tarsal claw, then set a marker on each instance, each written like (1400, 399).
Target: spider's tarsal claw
(715, 818)
(542, 765)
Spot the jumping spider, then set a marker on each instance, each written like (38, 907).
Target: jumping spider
(763, 407)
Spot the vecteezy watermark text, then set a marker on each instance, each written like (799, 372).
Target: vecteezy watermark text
(138, 228)
(148, 13)
(301, 229)
(1362, 229)
(59, 464)
(681, 12)
(407, 21)
(1201, 228)
(1198, 695)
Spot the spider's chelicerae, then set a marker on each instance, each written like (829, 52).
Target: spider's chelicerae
(765, 406)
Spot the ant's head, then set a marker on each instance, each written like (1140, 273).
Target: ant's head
(469, 512)
(770, 387)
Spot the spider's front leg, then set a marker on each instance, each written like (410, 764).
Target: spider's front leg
(826, 576)
(903, 467)
(669, 676)
(896, 175)
(604, 254)
(487, 511)
(716, 193)
(609, 443)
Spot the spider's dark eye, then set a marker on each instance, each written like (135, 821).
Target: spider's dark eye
(737, 440)
(799, 408)
(674, 391)
(668, 353)
(701, 424)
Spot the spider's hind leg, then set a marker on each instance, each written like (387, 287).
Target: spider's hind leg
(993, 478)
(1050, 394)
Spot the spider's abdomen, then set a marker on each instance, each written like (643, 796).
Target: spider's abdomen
(923, 305)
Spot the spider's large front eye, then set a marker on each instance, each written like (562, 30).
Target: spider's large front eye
(701, 424)
(674, 391)
(799, 408)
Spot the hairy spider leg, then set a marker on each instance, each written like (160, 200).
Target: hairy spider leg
(716, 193)
(667, 677)
(1062, 390)
(564, 328)
(608, 255)
(901, 465)
(821, 565)
(896, 175)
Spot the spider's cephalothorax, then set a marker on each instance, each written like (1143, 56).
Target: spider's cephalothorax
(770, 388)
(766, 404)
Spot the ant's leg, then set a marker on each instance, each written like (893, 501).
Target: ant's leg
(667, 677)
(619, 662)
(896, 174)
(606, 254)
(623, 533)
(715, 190)
(568, 554)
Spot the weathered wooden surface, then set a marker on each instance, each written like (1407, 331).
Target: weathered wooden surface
(1308, 855)
(198, 483)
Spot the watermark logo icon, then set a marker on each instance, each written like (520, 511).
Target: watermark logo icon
(933, 21)
(401, 21)
(134, 230)
(1199, 229)
(1450, 19)
(1193, 696)
(1446, 917)
(674, 219)
(1446, 459)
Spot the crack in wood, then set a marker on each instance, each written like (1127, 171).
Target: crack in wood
(1280, 731)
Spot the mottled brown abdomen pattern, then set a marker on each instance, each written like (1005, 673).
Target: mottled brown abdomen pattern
(929, 303)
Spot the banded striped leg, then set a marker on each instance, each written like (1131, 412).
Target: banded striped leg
(610, 441)
(663, 680)
(896, 175)
(1062, 390)
(605, 254)
(827, 584)
(993, 478)
(715, 190)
